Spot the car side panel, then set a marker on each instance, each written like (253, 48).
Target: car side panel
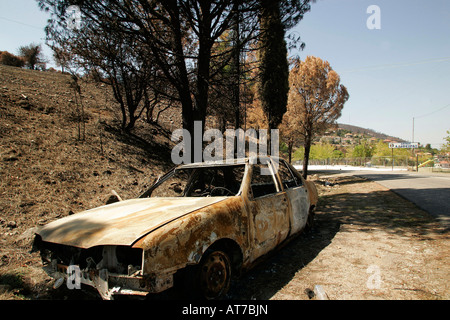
(270, 216)
(299, 201)
(184, 241)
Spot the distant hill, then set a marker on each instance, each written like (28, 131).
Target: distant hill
(368, 132)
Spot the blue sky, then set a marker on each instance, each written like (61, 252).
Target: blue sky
(393, 74)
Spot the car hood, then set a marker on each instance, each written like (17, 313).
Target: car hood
(121, 223)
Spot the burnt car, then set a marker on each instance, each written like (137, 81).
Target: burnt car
(200, 224)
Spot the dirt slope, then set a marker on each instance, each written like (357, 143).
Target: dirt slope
(46, 172)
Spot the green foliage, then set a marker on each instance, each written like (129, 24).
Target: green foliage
(319, 151)
(446, 146)
(379, 152)
(283, 147)
(337, 154)
(382, 149)
(342, 132)
(299, 154)
(429, 149)
(274, 74)
(363, 151)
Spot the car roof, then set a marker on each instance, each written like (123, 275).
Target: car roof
(226, 162)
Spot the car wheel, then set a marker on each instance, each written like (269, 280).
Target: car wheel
(214, 274)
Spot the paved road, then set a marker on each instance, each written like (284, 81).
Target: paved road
(430, 192)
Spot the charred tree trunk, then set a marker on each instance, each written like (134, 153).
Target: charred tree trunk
(306, 156)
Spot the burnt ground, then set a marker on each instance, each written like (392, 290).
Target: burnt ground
(368, 243)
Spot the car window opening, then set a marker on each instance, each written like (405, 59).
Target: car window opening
(262, 184)
(216, 181)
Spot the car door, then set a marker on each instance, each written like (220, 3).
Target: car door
(269, 211)
(297, 195)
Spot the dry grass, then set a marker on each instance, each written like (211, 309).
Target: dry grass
(47, 173)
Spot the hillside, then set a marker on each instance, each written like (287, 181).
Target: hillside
(46, 172)
(368, 132)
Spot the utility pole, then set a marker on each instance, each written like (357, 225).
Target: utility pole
(413, 152)
(392, 159)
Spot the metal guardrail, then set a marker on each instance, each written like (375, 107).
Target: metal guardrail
(363, 162)
(381, 162)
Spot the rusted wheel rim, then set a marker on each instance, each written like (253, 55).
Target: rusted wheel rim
(215, 275)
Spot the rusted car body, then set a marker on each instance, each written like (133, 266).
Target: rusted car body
(213, 221)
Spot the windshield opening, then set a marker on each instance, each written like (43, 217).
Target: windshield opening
(217, 181)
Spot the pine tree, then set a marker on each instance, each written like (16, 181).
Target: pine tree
(274, 68)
